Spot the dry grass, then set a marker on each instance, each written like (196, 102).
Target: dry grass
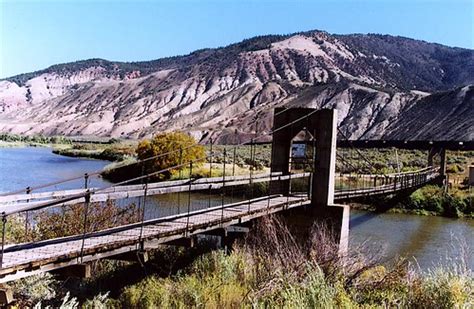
(274, 269)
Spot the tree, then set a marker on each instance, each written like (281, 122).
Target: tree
(169, 150)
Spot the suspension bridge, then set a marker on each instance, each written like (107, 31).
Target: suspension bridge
(47, 230)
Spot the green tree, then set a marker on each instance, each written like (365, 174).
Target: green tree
(168, 150)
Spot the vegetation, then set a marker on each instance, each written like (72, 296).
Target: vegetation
(110, 152)
(243, 281)
(274, 270)
(271, 268)
(434, 200)
(33, 139)
(163, 151)
(168, 150)
(48, 224)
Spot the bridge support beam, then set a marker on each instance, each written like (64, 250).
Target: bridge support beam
(6, 296)
(323, 126)
(229, 235)
(132, 256)
(187, 242)
(78, 270)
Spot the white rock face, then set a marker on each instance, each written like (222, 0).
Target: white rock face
(225, 92)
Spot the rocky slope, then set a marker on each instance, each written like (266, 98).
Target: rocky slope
(383, 87)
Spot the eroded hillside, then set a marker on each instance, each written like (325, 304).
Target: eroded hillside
(383, 87)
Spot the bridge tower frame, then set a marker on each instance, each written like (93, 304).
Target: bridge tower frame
(441, 152)
(322, 124)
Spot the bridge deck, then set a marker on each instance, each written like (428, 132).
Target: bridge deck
(26, 259)
(18, 260)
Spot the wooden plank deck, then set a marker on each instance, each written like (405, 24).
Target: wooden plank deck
(20, 260)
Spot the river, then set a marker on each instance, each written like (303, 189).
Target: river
(430, 240)
(33, 166)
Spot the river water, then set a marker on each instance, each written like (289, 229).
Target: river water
(33, 166)
(429, 240)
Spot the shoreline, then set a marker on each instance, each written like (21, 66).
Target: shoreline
(4, 144)
(413, 212)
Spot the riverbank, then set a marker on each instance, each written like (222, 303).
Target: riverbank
(397, 210)
(4, 144)
(429, 200)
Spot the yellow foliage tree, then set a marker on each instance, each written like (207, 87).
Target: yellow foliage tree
(169, 149)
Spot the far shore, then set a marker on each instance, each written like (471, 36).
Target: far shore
(4, 144)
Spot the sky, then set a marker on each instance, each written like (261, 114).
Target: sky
(36, 34)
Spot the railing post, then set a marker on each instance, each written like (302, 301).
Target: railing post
(145, 193)
(86, 211)
(28, 191)
(251, 173)
(233, 174)
(289, 182)
(210, 159)
(189, 196)
(4, 223)
(180, 176)
(223, 187)
(233, 161)
(209, 196)
(86, 178)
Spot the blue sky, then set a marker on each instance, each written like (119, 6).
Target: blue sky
(37, 34)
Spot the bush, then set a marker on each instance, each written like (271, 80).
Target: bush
(427, 198)
(35, 289)
(116, 153)
(434, 199)
(165, 147)
(100, 215)
(454, 169)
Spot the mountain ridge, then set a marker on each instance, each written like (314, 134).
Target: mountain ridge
(374, 80)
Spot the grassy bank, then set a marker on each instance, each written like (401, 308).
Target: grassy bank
(15, 140)
(429, 200)
(109, 152)
(270, 269)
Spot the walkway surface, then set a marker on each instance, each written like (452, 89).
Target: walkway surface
(54, 253)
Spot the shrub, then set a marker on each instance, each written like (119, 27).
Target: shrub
(116, 153)
(428, 198)
(35, 289)
(275, 269)
(165, 147)
(100, 216)
(433, 198)
(454, 169)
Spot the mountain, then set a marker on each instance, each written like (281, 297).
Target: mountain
(383, 87)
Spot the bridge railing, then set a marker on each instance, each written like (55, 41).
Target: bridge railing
(48, 215)
(383, 184)
(37, 219)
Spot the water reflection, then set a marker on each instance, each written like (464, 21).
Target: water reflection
(430, 240)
